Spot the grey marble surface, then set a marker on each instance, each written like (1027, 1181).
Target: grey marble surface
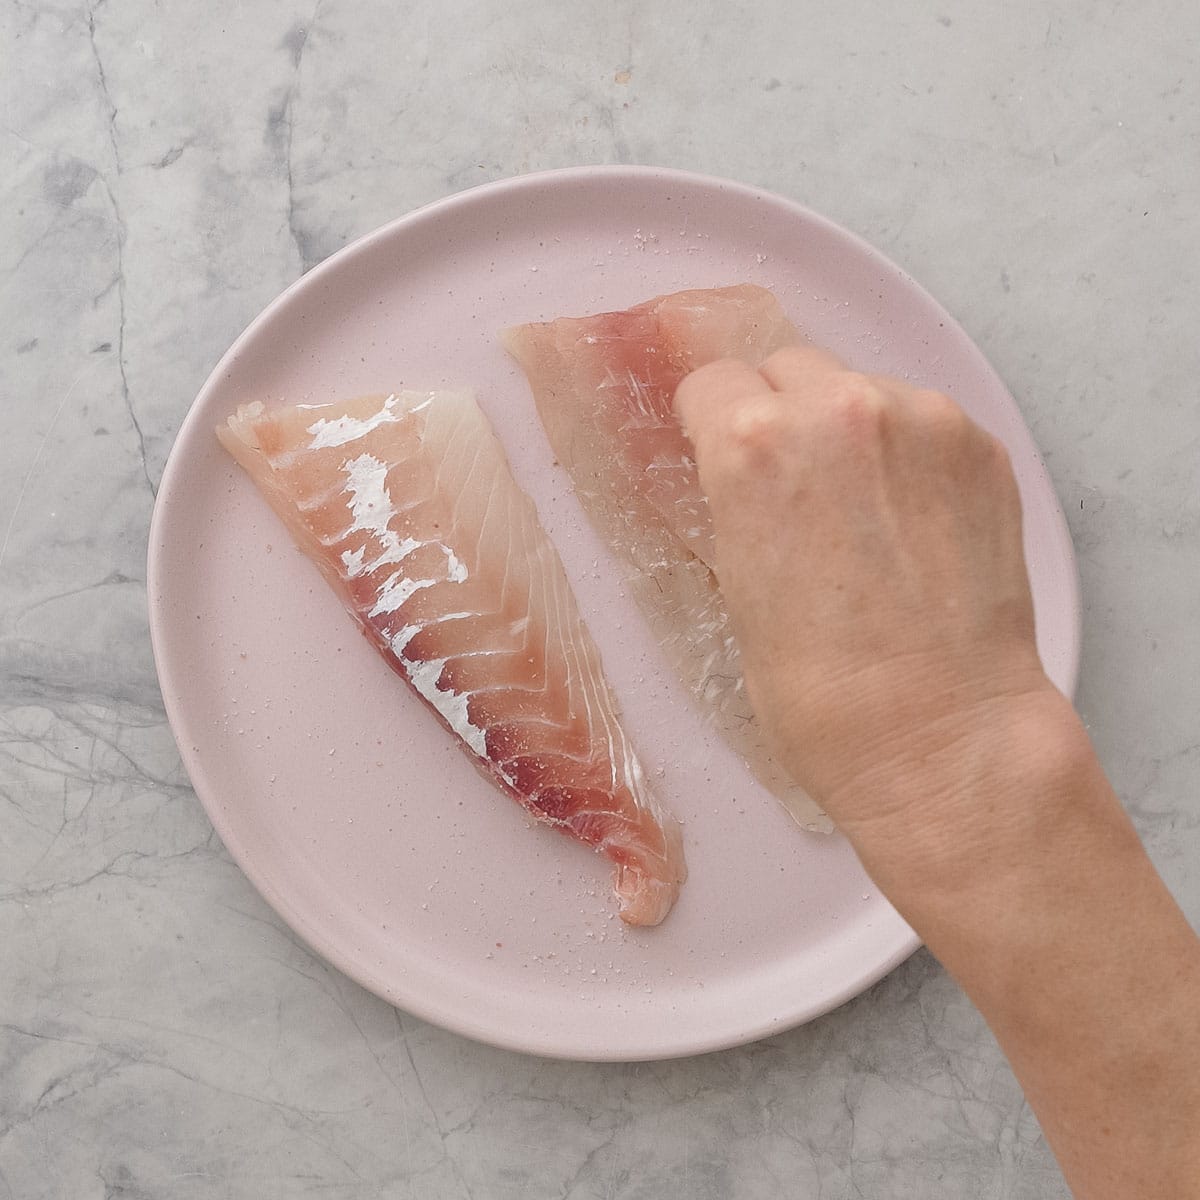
(165, 170)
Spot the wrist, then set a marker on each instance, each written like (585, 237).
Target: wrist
(978, 804)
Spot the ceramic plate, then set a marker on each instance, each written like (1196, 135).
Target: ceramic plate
(343, 800)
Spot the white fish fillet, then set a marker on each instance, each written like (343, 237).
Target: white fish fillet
(407, 505)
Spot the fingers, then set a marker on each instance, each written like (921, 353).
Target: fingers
(713, 387)
(806, 368)
(800, 368)
(906, 391)
(807, 371)
(814, 373)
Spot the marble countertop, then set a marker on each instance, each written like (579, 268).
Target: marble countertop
(166, 169)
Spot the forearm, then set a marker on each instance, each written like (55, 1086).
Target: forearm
(1056, 924)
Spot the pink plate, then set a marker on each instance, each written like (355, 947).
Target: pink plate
(336, 791)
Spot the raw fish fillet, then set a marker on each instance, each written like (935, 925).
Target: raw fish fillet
(407, 506)
(604, 387)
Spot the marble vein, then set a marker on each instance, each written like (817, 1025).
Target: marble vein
(120, 234)
(281, 123)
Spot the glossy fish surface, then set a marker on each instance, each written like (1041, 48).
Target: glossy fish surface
(406, 504)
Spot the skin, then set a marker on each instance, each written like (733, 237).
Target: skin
(869, 547)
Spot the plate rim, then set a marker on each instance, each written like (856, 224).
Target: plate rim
(328, 949)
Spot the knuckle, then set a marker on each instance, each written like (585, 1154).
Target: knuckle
(939, 410)
(786, 356)
(858, 400)
(944, 421)
(758, 427)
(997, 451)
(701, 389)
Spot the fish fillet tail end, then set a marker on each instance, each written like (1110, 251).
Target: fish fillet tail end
(647, 891)
(644, 900)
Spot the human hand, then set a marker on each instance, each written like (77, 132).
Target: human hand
(869, 547)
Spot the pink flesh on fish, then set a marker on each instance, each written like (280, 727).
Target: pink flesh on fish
(604, 387)
(407, 506)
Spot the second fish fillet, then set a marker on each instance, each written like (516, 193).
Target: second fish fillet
(604, 386)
